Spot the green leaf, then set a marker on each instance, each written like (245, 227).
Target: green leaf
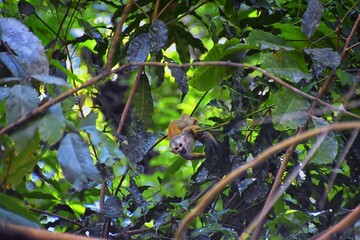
(208, 77)
(173, 168)
(21, 101)
(108, 151)
(345, 78)
(51, 126)
(76, 162)
(143, 102)
(180, 35)
(68, 73)
(48, 79)
(291, 32)
(266, 40)
(23, 136)
(284, 64)
(19, 161)
(328, 150)
(14, 211)
(289, 110)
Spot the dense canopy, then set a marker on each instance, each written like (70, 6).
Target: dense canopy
(88, 89)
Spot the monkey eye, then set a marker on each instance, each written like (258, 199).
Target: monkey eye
(180, 144)
(176, 148)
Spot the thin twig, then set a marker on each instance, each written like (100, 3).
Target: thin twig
(56, 215)
(292, 147)
(281, 190)
(232, 176)
(117, 35)
(348, 221)
(337, 167)
(41, 109)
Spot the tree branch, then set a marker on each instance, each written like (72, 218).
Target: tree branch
(232, 176)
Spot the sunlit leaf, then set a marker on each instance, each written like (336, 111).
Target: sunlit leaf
(51, 126)
(76, 162)
(266, 40)
(208, 77)
(14, 211)
(289, 32)
(20, 160)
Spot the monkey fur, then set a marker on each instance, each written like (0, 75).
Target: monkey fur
(183, 133)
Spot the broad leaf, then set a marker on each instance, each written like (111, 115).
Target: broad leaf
(48, 79)
(23, 136)
(76, 162)
(139, 48)
(51, 126)
(4, 92)
(9, 63)
(159, 35)
(113, 207)
(328, 150)
(143, 102)
(312, 17)
(20, 160)
(181, 79)
(284, 64)
(208, 77)
(183, 39)
(14, 211)
(289, 110)
(29, 52)
(291, 32)
(135, 147)
(21, 101)
(108, 151)
(266, 40)
(325, 57)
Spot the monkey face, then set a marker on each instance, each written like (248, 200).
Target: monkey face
(178, 144)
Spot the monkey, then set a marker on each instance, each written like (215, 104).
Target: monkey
(176, 127)
(183, 133)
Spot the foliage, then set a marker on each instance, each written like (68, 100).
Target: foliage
(88, 89)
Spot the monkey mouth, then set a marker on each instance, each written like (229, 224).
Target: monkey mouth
(183, 151)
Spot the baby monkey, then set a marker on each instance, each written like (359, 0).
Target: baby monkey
(183, 133)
